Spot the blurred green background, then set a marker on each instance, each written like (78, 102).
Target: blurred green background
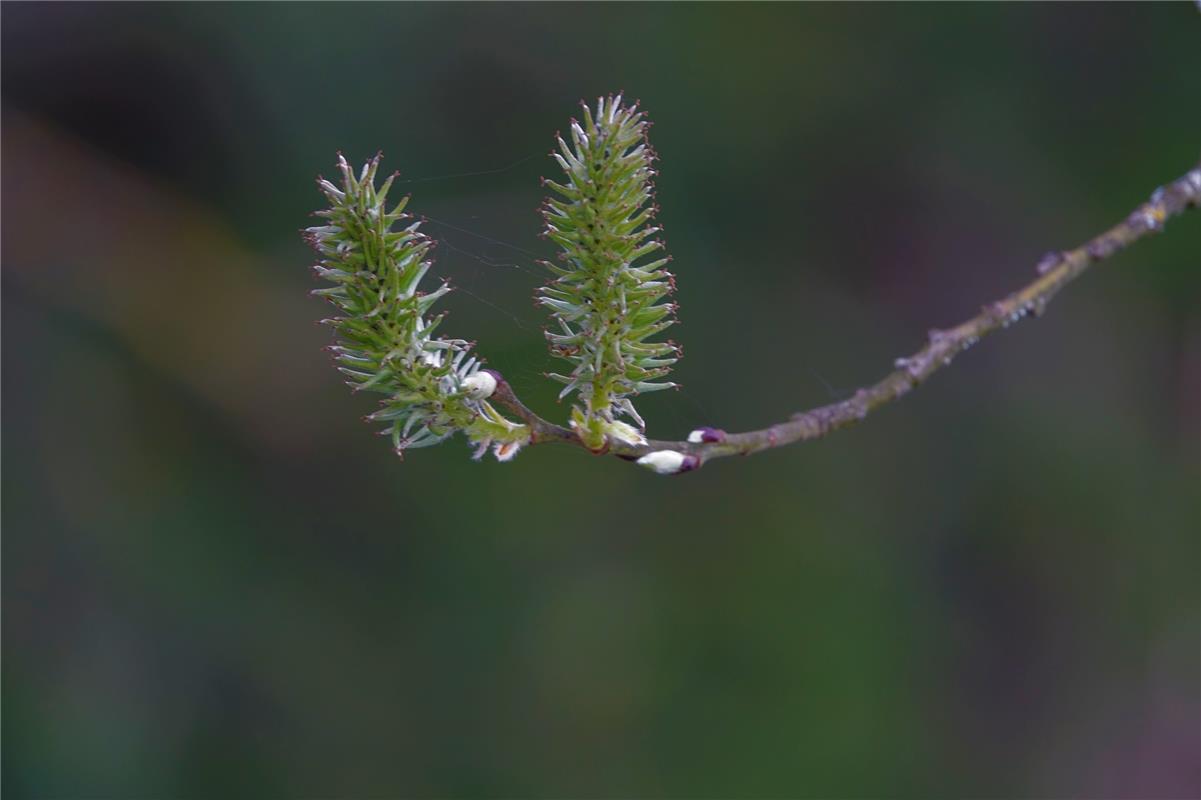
(218, 583)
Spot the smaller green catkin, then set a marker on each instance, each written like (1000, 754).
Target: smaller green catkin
(606, 299)
(433, 386)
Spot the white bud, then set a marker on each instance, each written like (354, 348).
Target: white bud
(664, 462)
(479, 386)
(696, 437)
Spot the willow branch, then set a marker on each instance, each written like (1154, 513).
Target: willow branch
(541, 430)
(1056, 270)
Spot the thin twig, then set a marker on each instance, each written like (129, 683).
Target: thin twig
(1056, 270)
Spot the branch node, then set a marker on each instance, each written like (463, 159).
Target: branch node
(1050, 260)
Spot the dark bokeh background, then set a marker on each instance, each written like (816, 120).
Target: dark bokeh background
(218, 583)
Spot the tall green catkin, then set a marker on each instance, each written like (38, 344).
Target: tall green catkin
(606, 301)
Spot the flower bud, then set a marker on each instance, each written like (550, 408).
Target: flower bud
(707, 435)
(669, 462)
(479, 386)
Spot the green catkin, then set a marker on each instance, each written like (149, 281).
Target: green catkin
(385, 336)
(606, 300)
